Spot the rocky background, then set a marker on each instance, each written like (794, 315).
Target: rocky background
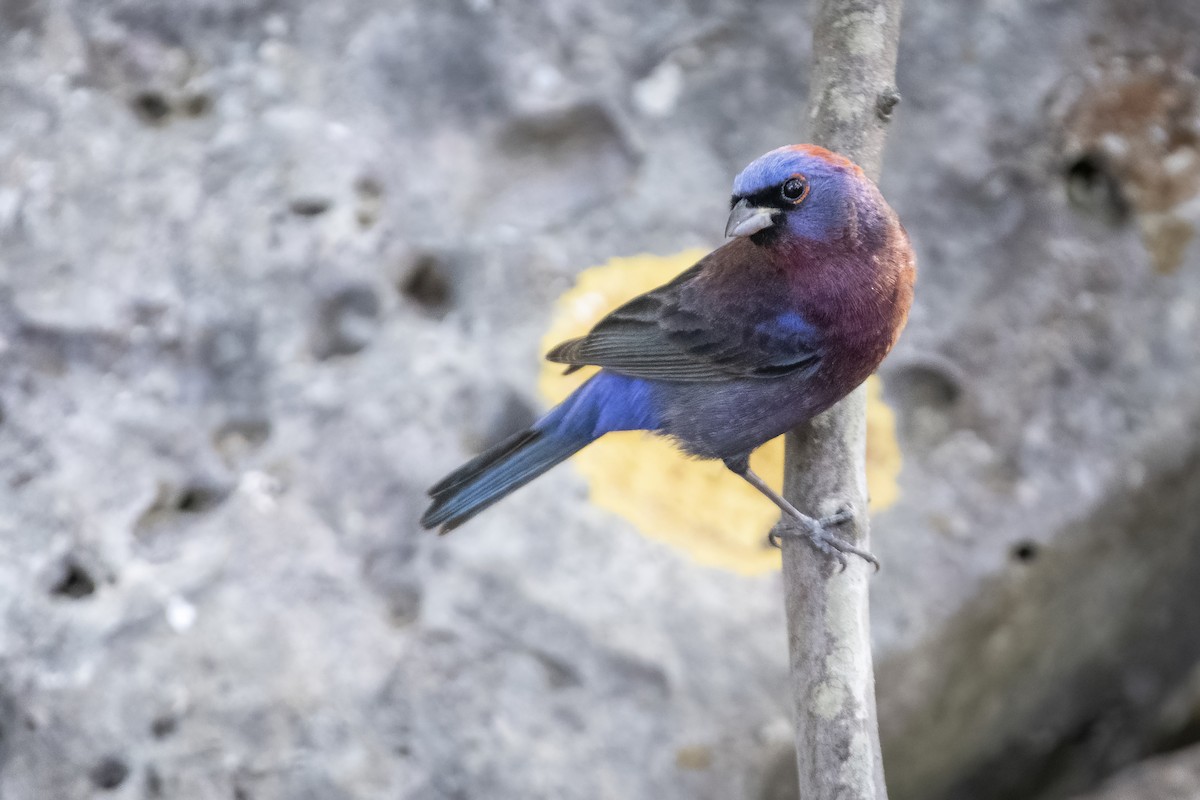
(269, 268)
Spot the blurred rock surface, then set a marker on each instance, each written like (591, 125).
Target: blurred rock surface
(1173, 777)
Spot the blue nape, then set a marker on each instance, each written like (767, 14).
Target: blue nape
(607, 402)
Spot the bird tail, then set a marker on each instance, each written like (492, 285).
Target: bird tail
(605, 402)
(496, 473)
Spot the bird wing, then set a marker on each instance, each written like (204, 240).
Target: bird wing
(683, 331)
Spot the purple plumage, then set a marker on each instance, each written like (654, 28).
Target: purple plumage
(764, 333)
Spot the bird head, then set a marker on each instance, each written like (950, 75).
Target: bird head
(802, 190)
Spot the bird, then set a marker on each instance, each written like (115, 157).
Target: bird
(793, 312)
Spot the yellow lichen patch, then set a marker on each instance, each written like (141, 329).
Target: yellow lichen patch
(696, 506)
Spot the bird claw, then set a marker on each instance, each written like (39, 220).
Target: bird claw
(816, 532)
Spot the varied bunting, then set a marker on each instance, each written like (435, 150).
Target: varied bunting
(765, 332)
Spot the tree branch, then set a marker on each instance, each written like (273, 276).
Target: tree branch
(833, 682)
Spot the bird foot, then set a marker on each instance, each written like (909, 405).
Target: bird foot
(817, 533)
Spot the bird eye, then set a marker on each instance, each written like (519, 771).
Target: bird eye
(795, 189)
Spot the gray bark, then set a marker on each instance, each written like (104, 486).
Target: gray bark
(837, 732)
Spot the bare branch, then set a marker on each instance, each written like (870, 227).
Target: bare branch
(833, 682)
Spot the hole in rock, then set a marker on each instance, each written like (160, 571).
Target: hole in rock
(195, 499)
(1025, 551)
(427, 283)
(197, 105)
(151, 106)
(347, 320)
(163, 726)
(109, 773)
(1094, 190)
(310, 206)
(74, 583)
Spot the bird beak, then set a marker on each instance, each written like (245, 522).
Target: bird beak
(746, 219)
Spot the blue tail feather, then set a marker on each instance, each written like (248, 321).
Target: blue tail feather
(605, 403)
(495, 474)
